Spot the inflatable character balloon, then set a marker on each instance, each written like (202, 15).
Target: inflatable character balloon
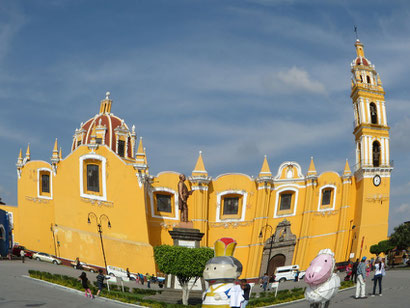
(221, 272)
(323, 284)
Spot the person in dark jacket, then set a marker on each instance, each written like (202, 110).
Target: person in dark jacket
(354, 271)
(100, 281)
(84, 283)
(246, 292)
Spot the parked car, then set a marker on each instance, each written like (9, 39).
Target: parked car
(283, 273)
(42, 256)
(341, 266)
(119, 272)
(16, 251)
(84, 266)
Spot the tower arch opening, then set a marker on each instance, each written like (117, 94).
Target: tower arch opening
(373, 113)
(376, 154)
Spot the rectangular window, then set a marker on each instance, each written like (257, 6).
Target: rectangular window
(93, 178)
(285, 201)
(164, 203)
(326, 196)
(231, 206)
(45, 183)
(98, 140)
(78, 143)
(121, 147)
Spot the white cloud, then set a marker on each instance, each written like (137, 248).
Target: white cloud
(403, 209)
(299, 80)
(12, 21)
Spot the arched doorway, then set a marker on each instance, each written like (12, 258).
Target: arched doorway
(274, 262)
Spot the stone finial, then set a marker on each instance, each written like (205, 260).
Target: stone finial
(107, 95)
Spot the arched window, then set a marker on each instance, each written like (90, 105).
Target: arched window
(368, 79)
(373, 113)
(361, 78)
(376, 154)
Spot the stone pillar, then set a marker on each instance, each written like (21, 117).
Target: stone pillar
(185, 237)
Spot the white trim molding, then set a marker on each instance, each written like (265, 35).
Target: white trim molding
(219, 205)
(174, 195)
(103, 176)
(334, 190)
(286, 188)
(39, 183)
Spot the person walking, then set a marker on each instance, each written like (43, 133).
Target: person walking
(22, 255)
(100, 281)
(361, 279)
(354, 271)
(236, 297)
(246, 288)
(84, 283)
(378, 275)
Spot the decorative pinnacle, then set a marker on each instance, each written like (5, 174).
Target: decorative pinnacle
(107, 95)
(200, 152)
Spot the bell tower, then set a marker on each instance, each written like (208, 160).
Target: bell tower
(373, 166)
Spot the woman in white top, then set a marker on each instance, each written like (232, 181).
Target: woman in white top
(378, 275)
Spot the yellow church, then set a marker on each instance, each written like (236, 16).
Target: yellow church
(284, 216)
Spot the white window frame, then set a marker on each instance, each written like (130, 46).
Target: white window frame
(219, 196)
(320, 198)
(174, 195)
(103, 173)
(39, 183)
(287, 188)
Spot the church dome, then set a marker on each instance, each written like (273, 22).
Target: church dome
(106, 129)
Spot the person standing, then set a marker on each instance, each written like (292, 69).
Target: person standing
(22, 255)
(246, 288)
(265, 280)
(354, 271)
(361, 279)
(84, 283)
(148, 277)
(378, 275)
(236, 297)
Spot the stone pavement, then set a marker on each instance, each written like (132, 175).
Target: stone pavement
(17, 291)
(395, 289)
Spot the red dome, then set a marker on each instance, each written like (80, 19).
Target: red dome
(107, 122)
(360, 60)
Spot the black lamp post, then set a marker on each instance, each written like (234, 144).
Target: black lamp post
(262, 235)
(98, 221)
(54, 240)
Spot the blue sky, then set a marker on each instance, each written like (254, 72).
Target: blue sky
(235, 79)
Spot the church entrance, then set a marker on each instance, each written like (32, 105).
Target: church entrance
(281, 245)
(276, 261)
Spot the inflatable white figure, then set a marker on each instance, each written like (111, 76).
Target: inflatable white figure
(323, 284)
(221, 272)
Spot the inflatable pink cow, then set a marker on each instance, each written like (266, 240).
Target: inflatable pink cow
(323, 284)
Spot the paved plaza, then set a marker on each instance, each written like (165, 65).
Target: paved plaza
(19, 291)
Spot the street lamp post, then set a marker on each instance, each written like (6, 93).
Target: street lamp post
(54, 239)
(348, 241)
(262, 235)
(98, 221)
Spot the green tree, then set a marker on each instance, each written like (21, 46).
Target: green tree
(385, 246)
(401, 236)
(185, 263)
(375, 249)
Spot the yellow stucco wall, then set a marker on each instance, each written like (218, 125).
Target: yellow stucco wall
(355, 219)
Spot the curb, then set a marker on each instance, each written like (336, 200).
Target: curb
(57, 286)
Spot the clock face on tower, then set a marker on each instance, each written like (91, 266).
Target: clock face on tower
(377, 180)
